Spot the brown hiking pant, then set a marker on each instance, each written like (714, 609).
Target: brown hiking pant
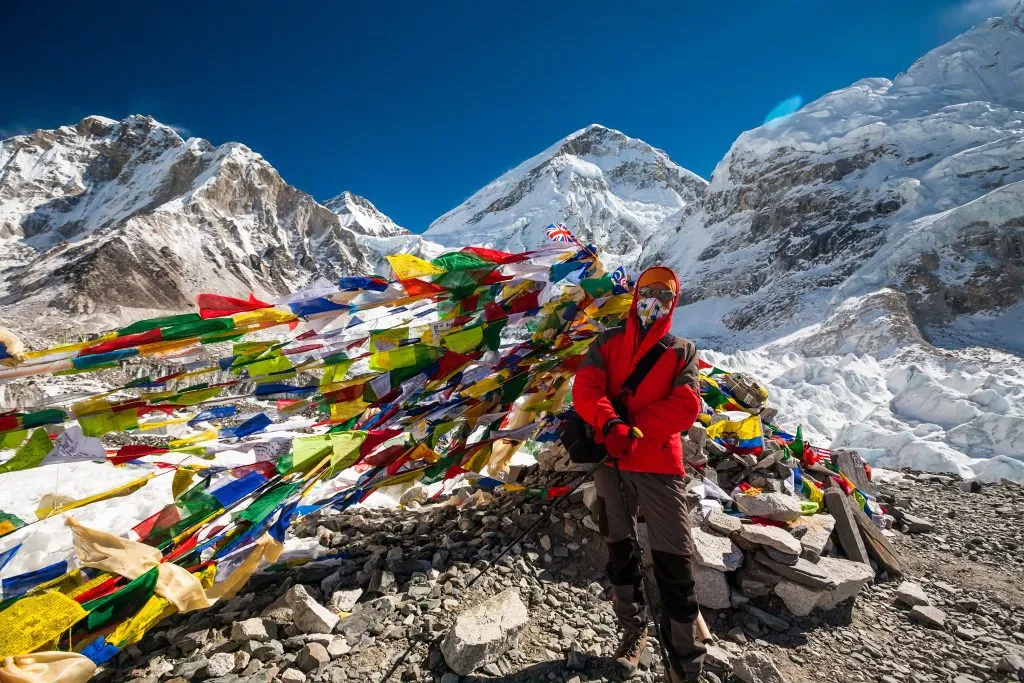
(660, 498)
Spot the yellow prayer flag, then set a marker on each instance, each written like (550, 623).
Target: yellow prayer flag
(263, 316)
(182, 480)
(407, 267)
(31, 622)
(477, 461)
(146, 426)
(90, 406)
(345, 447)
(132, 630)
(208, 435)
(116, 492)
(190, 398)
(464, 341)
(346, 411)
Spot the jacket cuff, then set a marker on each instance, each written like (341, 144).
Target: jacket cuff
(609, 424)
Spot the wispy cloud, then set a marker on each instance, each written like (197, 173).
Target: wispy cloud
(181, 130)
(970, 12)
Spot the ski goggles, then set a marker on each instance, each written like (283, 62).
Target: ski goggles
(660, 294)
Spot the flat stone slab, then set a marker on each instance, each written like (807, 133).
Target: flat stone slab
(929, 616)
(803, 572)
(912, 594)
(772, 536)
(779, 507)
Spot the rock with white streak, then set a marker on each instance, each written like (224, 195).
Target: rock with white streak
(849, 578)
(757, 667)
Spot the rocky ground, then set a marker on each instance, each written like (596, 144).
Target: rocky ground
(957, 614)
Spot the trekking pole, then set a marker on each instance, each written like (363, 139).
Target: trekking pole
(505, 551)
(643, 565)
(533, 527)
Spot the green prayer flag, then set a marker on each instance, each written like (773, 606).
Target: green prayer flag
(264, 506)
(9, 523)
(512, 389)
(597, 286)
(153, 323)
(12, 439)
(198, 328)
(492, 333)
(309, 450)
(121, 602)
(30, 454)
(43, 417)
(796, 447)
(460, 260)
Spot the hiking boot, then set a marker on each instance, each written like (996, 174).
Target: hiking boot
(630, 648)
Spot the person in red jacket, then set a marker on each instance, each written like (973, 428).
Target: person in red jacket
(649, 478)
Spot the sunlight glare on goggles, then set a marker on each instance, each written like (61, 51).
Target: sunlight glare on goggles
(663, 294)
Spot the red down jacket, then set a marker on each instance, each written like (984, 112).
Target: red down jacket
(666, 402)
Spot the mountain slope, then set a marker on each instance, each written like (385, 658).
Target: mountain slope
(914, 184)
(611, 189)
(106, 216)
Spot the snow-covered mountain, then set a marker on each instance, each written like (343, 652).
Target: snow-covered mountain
(378, 235)
(361, 216)
(914, 186)
(865, 256)
(112, 219)
(611, 189)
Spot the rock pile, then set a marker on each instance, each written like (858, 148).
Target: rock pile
(392, 587)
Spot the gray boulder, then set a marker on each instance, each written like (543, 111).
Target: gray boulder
(771, 536)
(711, 588)
(756, 667)
(716, 552)
(485, 632)
(308, 614)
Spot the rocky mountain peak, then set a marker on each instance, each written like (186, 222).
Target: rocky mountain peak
(361, 216)
(611, 189)
(109, 215)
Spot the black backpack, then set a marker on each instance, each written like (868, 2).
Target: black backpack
(577, 436)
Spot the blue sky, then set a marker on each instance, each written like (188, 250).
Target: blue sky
(417, 104)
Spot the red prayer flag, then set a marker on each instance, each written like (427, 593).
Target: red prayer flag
(416, 287)
(495, 256)
(217, 306)
(133, 452)
(124, 342)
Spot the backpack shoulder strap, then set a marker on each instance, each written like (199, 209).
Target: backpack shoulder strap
(646, 364)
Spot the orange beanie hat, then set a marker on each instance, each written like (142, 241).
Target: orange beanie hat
(658, 275)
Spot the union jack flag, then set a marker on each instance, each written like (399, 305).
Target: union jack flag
(560, 233)
(620, 281)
